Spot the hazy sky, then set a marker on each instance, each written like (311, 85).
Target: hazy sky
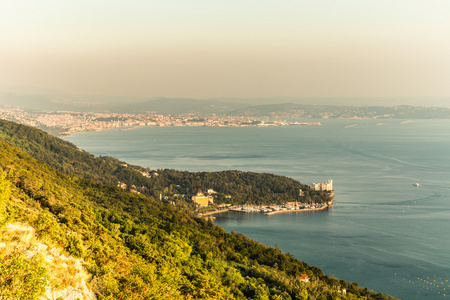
(228, 48)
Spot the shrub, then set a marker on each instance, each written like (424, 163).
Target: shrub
(5, 191)
(74, 245)
(21, 277)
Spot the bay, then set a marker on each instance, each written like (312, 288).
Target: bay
(382, 232)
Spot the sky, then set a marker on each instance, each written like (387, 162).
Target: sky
(210, 48)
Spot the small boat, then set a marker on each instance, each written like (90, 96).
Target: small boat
(416, 184)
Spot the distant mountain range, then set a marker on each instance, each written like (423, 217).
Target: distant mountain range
(121, 105)
(178, 106)
(265, 107)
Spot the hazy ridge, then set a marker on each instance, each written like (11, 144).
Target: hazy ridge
(265, 107)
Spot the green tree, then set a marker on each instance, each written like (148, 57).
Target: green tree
(5, 192)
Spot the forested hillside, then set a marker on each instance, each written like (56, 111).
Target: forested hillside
(134, 247)
(137, 248)
(243, 187)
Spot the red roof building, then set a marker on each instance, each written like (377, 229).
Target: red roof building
(304, 278)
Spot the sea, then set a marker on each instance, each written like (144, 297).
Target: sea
(383, 232)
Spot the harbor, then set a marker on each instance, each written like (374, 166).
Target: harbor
(278, 209)
(268, 210)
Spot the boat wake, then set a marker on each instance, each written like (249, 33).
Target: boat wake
(433, 197)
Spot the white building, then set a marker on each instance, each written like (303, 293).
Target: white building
(323, 186)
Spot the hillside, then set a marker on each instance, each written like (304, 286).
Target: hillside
(133, 247)
(137, 248)
(243, 187)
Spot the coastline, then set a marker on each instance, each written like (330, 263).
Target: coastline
(340, 218)
(299, 210)
(214, 212)
(274, 209)
(68, 131)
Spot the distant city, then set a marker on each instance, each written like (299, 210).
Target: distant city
(65, 123)
(286, 114)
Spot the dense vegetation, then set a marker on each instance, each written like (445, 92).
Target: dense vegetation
(139, 248)
(243, 187)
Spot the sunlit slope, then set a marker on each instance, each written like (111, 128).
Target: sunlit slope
(137, 248)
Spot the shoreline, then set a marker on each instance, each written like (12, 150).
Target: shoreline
(274, 211)
(299, 210)
(68, 132)
(214, 212)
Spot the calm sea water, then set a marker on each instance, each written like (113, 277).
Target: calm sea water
(382, 232)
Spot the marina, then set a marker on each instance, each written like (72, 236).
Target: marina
(268, 210)
(283, 208)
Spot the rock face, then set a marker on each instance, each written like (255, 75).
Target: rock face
(75, 282)
(67, 278)
(70, 293)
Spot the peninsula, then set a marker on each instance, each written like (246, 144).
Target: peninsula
(207, 207)
(133, 245)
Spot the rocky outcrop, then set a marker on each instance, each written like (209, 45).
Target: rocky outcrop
(67, 279)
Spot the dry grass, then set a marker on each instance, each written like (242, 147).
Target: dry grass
(67, 277)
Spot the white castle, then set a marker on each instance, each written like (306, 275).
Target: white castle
(323, 186)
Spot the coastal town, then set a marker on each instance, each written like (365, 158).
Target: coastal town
(208, 114)
(66, 123)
